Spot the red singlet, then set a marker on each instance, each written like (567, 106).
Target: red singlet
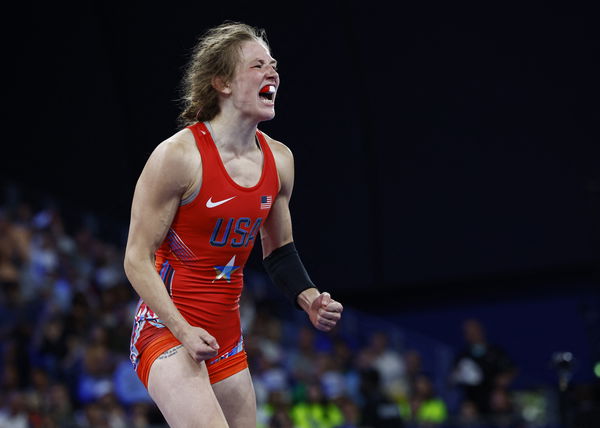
(202, 258)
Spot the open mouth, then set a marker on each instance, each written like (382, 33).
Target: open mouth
(267, 92)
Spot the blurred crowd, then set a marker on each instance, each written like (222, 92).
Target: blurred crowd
(66, 312)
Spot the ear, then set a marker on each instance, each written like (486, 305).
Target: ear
(221, 85)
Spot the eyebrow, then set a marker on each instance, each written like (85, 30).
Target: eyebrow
(262, 61)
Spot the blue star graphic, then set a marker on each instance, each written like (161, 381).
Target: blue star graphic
(226, 271)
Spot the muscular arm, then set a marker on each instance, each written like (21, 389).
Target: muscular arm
(167, 176)
(323, 311)
(277, 230)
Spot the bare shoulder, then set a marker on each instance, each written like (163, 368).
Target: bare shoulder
(179, 148)
(284, 160)
(282, 153)
(175, 160)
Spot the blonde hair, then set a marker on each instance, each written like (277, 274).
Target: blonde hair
(215, 55)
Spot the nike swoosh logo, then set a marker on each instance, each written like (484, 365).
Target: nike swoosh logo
(211, 204)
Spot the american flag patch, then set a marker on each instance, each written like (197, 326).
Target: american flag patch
(265, 202)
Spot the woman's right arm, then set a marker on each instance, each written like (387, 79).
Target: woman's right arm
(166, 177)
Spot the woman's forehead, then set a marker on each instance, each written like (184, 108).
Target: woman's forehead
(255, 49)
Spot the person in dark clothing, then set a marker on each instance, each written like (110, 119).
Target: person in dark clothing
(378, 410)
(481, 367)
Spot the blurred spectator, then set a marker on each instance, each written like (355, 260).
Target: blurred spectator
(113, 313)
(468, 416)
(377, 410)
(139, 415)
(60, 406)
(333, 381)
(344, 359)
(275, 411)
(114, 412)
(21, 231)
(109, 271)
(265, 355)
(93, 416)
(270, 338)
(14, 249)
(426, 408)
(316, 410)
(50, 348)
(350, 413)
(268, 375)
(10, 381)
(414, 369)
(503, 413)
(129, 389)
(37, 395)
(481, 367)
(13, 413)
(583, 407)
(302, 357)
(9, 272)
(78, 321)
(95, 378)
(388, 362)
(43, 263)
(16, 350)
(281, 419)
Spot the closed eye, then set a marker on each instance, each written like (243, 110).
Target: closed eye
(262, 63)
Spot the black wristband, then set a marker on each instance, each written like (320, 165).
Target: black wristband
(287, 272)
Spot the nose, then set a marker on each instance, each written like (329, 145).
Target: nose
(272, 72)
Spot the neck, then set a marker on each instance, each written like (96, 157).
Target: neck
(233, 134)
